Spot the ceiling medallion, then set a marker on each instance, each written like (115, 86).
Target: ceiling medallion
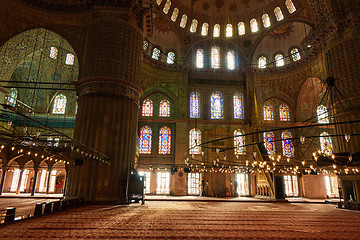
(282, 32)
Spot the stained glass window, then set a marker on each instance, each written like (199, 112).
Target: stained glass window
(70, 58)
(229, 30)
(170, 58)
(241, 28)
(287, 145)
(231, 60)
(216, 32)
(295, 55)
(238, 106)
(254, 25)
(175, 14)
(158, 2)
(167, 7)
(205, 29)
(156, 54)
(145, 45)
(217, 105)
(145, 140)
(147, 108)
(194, 140)
(164, 140)
(239, 142)
(59, 104)
(194, 105)
(262, 62)
(326, 144)
(290, 6)
(183, 21)
(279, 59)
(322, 114)
(266, 20)
(215, 57)
(268, 112)
(12, 97)
(200, 58)
(164, 108)
(269, 141)
(284, 112)
(194, 25)
(278, 14)
(53, 52)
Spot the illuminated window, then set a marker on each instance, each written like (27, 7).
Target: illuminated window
(291, 185)
(70, 58)
(231, 60)
(238, 106)
(278, 14)
(279, 59)
(147, 176)
(194, 105)
(53, 52)
(175, 14)
(262, 62)
(295, 55)
(332, 186)
(147, 108)
(241, 28)
(167, 7)
(59, 104)
(269, 142)
(242, 188)
(216, 32)
(170, 58)
(215, 57)
(183, 21)
(194, 141)
(158, 2)
(194, 25)
(145, 140)
(266, 20)
(322, 114)
(229, 30)
(287, 145)
(290, 6)
(284, 112)
(200, 58)
(164, 108)
(24, 179)
(239, 142)
(217, 105)
(268, 112)
(43, 180)
(205, 29)
(164, 140)
(326, 144)
(12, 97)
(194, 183)
(15, 180)
(163, 183)
(52, 181)
(254, 25)
(145, 45)
(156, 54)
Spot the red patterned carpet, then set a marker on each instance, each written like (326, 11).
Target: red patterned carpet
(192, 220)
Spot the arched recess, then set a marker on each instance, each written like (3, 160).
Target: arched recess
(275, 100)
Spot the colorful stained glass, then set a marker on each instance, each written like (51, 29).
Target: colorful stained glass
(229, 30)
(147, 108)
(269, 142)
(262, 62)
(183, 21)
(238, 106)
(254, 25)
(170, 58)
(194, 25)
(156, 54)
(322, 114)
(70, 58)
(59, 104)
(205, 29)
(194, 141)
(241, 28)
(290, 6)
(284, 112)
(145, 140)
(278, 14)
(287, 145)
(268, 112)
(164, 140)
(194, 105)
(217, 105)
(266, 20)
(12, 97)
(164, 108)
(175, 14)
(215, 57)
(326, 144)
(230, 60)
(167, 7)
(200, 58)
(295, 55)
(53, 52)
(239, 142)
(279, 59)
(216, 32)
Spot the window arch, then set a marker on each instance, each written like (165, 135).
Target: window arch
(53, 52)
(238, 106)
(215, 57)
(262, 62)
(170, 58)
(326, 144)
(147, 108)
(12, 97)
(266, 20)
(216, 32)
(194, 25)
(322, 114)
(295, 55)
(254, 25)
(230, 60)
(217, 105)
(287, 145)
(290, 6)
(194, 105)
(156, 54)
(164, 140)
(205, 29)
(229, 30)
(268, 112)
(59, 104)
(284, 112)
(241, 28)
(167, 7)
(175, 14)
(269, 142)
(194, 140)
(279, 60)
(278, 14)
(200, 58)
(239, 142)
(145, 140)
(70, 58)
(164, 108)
(183, 21)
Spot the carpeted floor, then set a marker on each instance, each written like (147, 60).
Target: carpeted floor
(192, 220)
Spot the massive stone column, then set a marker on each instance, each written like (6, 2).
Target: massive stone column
(108, 105)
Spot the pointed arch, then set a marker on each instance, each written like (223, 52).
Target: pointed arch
(284, 113)
(194, 105)
(147, 108)
(217, 105)
(145, 140)
(268, 112)
(59, 104)
(164, 140)
(239, 142)
(194, 141)
(164, 110)
(287, 145)
(269, 142)
(238, 106)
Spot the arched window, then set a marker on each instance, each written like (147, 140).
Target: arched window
(53, 52)
(158, 2)
(12, 97)
(194, 140)
(194, 25)
(287, 145)
(145, 140)
(175, 14)
(290, 6)
(170, 58)
(216, 32)
(322, 114)
(230, 60)
(145, 45)
(194, 105)
(183, 21)
(164, 108)
(266, 20)
(205, 29)
(278, 14)
(167, 7)
(59, 104)
(156, 54)
(326, 144)
(239, 142)
(147, 108)
(279, 59)
(241, 28)
(269, 142)
(238, 106)
(217, 105)
(229, 30)
(70, 58)
(215, 57)
(254, 25)
(262, 62)
(284, 112)
(164, 140)
(268, 112)
(200, 58)
(295, 55)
